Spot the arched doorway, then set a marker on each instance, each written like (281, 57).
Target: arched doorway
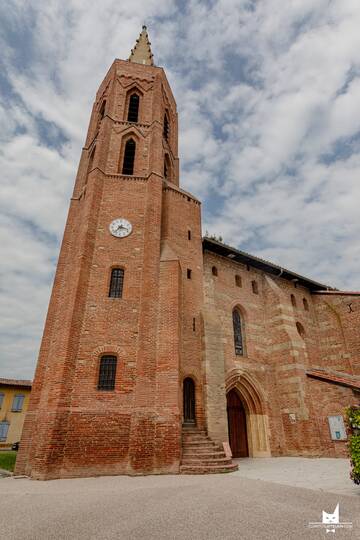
(189, 401)
(237, 425)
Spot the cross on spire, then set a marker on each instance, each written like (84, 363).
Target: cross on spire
(141, 53)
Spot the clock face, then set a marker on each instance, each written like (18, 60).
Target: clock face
(120, 228)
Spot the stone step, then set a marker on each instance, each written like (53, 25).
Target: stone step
(195, 444)
(203, 455)
(200, 450)
(205, 462)
(208, 469)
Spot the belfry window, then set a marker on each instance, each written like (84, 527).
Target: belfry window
(107, 372)
(133, 111)
(116, 283)
(166, 127)
(238, 338)
(129, 157)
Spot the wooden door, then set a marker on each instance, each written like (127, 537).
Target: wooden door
(189, 401)
(237, 425)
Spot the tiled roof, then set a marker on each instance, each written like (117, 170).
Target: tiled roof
(15, 382)
(340, 379)
(210, 244)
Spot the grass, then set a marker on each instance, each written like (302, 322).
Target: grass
(7, 460)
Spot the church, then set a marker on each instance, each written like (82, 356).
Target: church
(163, 351)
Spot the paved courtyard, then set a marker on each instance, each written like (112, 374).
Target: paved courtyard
(229, 506)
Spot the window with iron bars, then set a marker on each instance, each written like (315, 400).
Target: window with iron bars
(116, 283)
(107, 373)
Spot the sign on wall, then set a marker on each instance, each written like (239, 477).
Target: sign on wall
(337, 428)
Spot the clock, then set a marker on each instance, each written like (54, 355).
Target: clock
(120, 227)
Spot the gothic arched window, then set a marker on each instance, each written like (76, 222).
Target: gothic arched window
(107, 372)
(238, 338)
(133, 110)
(129, 157)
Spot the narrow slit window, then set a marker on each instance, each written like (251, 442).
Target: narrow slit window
(214, 271)
(238, 282)
(129, 157)
(107, 372)
(188, 273)
(293, 300)
(194, 324)
(189, 234)
(238, 338)
(306, 304)
(166, 127)
(101, 114)
(133, 111)
(116, 283)
(255, 287)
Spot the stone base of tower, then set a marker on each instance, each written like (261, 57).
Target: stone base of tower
(100, 445)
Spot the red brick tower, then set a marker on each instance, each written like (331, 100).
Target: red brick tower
(123, 328)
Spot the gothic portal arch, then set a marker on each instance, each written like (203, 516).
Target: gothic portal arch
(248, 422)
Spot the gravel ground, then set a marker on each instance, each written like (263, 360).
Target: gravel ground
(227, 506)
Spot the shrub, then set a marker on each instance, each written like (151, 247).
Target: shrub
(353, 422)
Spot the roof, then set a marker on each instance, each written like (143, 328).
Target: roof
(15, 382)
(342, 379)
(209, 244)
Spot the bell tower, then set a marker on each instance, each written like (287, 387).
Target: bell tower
(123, 328)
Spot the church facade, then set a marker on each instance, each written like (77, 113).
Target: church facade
(163, 350)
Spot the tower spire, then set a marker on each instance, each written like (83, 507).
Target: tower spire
(141, 53)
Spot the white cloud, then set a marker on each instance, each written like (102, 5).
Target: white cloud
(268, 97)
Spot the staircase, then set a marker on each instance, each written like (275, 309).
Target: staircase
(200, 455)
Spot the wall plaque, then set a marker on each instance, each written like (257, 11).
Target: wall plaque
(337, 428)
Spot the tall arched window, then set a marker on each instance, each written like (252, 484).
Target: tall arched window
(166, 127)
(107, 372)
(129, 157)
(238, 338)
(133, 110)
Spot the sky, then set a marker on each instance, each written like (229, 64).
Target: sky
(268, 96)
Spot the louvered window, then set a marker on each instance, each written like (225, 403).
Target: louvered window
(107, 373)
(116, 283)
(133, 111)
